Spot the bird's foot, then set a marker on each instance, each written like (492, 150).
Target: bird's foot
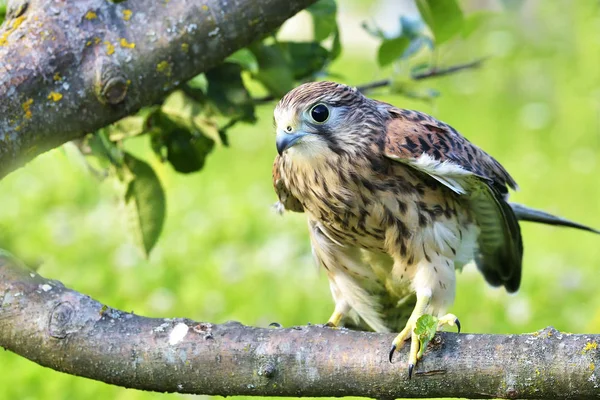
(407, 333)
(420, 337)
(450, 320)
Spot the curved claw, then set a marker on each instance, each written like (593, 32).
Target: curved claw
(392, 352)
(457, 322)
(410, 370)
(275, 325)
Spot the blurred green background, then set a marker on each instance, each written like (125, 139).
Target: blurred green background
(225, 255)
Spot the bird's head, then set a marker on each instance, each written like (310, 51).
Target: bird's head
(317, 118)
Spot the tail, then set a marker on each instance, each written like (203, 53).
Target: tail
(531, 214)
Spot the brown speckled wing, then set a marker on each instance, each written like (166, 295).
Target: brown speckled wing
(288, 201)
(410, 134)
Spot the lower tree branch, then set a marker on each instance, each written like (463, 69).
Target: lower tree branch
(62, 329)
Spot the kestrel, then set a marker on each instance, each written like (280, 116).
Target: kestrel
(396, 201)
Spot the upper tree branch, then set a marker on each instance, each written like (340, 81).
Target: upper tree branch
(67, 331)
(70, 67)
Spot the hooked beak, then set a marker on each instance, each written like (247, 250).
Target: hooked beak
(287, 140)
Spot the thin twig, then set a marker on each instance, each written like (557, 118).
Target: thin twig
(431, 73)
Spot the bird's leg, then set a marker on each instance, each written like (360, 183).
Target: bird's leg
(341, 309)
(409, 332)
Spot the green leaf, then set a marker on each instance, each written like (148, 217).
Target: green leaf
(145, 203)
(391, 49)
(426, 328)
(226, 91)
(245, 59)
(183, 142)
(2, 11)
(306, 58)
(336, 46)
(274, 71)
(444, 18)
(323, 14)
(187, 152)
(103, 149)
(475, 21)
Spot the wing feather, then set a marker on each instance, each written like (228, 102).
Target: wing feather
(438, 150)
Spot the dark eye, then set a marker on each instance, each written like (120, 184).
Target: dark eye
(319, 113)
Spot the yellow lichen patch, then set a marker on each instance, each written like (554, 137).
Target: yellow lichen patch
(27, 108)
(88, 43)
(589, 346)
(12, 26)
(185, 47)
(110, 49)
(205, 7)
(127, 14)
(164, 67)
(90, 15)
(592, 367)
(124, 43)
(57, 77)
(96, 40)
(55, 96)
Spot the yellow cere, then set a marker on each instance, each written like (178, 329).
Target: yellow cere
(127, 15)
(110, 49)
(27, 108)
(90, 15)
(55, 96)
(124, 43)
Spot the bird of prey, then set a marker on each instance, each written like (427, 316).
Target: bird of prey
(396, 201)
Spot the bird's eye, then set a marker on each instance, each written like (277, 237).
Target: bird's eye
(320, 113)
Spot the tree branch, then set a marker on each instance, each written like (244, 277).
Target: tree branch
(69, 68)
(67, 331)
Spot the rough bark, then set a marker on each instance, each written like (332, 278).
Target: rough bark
(67, 331)
(68, 68)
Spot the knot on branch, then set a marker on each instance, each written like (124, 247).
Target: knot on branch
(59, 323)
(111, 84)
(267, 370)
